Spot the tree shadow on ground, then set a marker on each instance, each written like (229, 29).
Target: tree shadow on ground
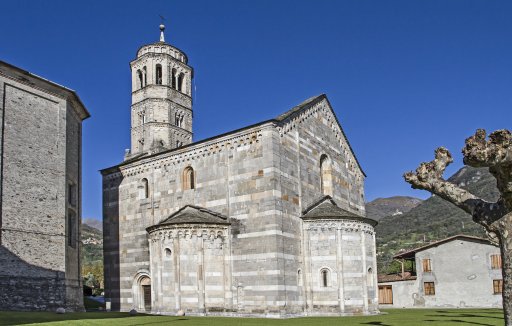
(23, 317)
(376, 323)
(458, 321)
(464, 315)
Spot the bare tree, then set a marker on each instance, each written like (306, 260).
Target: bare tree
(496, 154)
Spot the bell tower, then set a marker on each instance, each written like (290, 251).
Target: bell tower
(161, 112)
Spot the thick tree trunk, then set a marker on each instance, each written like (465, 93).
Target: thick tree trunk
(506, 255)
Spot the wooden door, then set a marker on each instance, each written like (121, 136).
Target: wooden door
(385, 294)
(146, 289)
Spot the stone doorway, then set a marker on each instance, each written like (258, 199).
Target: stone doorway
(145, 294)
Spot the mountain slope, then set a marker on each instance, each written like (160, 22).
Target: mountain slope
(435, 218)
(396, 205)
(92, 244)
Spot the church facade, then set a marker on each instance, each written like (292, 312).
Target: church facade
(266, 220)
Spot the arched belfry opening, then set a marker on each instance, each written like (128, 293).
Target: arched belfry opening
(158, 74)
(326, 175)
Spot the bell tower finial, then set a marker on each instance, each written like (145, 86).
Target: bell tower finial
(162, 29)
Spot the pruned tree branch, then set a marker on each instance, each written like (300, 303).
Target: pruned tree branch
(429, 176)
(479, 152)
(496, 154)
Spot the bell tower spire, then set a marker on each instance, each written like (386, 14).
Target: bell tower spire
(161, 114)
(162, 29)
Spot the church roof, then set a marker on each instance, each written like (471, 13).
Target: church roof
(193, 215)
(296, 110)
(326, 208)
(410, 254)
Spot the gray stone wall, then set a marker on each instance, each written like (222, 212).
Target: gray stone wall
(40, 153)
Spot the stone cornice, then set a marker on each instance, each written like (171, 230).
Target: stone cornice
(347, 225)
(189, 152)
(187, 231)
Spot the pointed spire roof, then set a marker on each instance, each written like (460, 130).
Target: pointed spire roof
(162, 29)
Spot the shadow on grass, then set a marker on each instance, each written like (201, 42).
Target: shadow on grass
(376, 323)
(458, 321)
(23, 317)
(464, 315)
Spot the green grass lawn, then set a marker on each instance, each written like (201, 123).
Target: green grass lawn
(390, 317)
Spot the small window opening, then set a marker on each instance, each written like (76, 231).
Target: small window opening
(72, 194)
(497, 286)
(427, 266)
(144, 189)
(180, 81)
(173, 78)
(72, 228)
(429, 288)
(145, 75)
(325, 175)
(299, 277)
(140, 79)
(188, 178)
(496, 261)
(158, 76)
(168, 252)
(324, 274)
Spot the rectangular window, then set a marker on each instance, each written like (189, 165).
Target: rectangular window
(72, 194)
(385, 294)
(497, 286)
(72, 231)
(427, 267)
(496, 261)
(429, 288)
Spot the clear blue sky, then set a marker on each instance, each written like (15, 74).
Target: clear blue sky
(403, 76)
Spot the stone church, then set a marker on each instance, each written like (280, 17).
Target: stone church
(267, 220)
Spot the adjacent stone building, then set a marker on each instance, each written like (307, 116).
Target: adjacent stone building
(457, 272)
(267, 220)
(40, 184)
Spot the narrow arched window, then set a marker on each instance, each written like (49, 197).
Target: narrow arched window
(173, 78)
(188, 178)
(181, 121)
(180, 81)
(144, 189)
(325, 175)
(145, 76)
(158, 74)
(299, 278)
(140, 83)
(324, 277)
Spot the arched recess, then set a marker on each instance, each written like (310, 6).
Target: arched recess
(369, 278)
(144, 189)
(325, 277)
(326, 178)
(189, 181)
(141, 290)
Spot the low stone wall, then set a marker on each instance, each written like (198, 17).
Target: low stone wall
(34, 294)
